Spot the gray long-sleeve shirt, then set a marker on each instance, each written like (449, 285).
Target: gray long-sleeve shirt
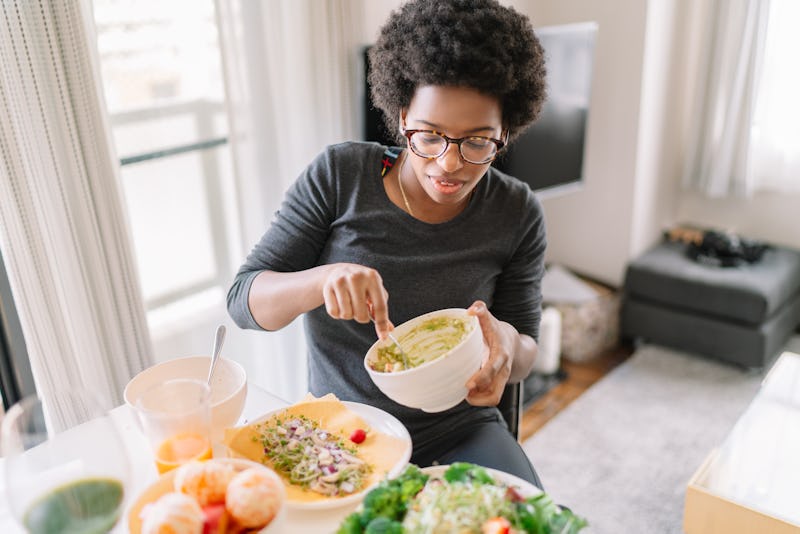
(338, 211)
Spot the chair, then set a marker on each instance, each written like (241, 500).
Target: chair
(510, 407)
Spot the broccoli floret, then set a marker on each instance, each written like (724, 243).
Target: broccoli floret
(410, 488)
(384, 525)
(383, 501)
(389, 500)
(351, 524)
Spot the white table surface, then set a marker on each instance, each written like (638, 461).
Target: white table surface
(144, 473)
(758, 465)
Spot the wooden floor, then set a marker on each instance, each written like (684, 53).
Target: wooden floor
(580, 376)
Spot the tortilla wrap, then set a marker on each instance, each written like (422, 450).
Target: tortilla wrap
(381, 451)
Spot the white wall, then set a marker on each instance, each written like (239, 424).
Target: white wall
(590, 230)
(771, 217)
(660, 143)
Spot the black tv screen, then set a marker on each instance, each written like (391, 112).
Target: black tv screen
(549, 153)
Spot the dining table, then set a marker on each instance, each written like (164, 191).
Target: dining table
(143, 470)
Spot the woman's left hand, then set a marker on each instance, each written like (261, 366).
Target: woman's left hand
(487, 384)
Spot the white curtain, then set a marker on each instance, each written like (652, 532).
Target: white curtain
(63, 229)
(775, 142)
(728, 72)
(292, 80)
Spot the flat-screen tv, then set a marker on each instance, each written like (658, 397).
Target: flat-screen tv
(549, 154)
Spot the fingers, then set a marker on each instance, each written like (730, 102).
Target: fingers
(486, 386)
(494, 369)
(383, 328)
(350, 290)
(378, 309)
(338, 302)
(485, 319)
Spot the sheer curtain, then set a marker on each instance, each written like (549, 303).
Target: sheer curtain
(723, 112)
(63, 230)
(292, 81)
(775, 141)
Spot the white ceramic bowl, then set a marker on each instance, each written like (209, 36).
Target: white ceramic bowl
(439, 384)
(228, 386)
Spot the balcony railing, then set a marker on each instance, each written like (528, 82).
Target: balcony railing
(203, 113)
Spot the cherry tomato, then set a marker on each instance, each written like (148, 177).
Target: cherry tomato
(358, 435)
(496, 525)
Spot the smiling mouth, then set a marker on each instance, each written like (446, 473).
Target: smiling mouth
(446, 186)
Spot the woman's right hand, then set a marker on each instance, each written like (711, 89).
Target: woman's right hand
(354, 291)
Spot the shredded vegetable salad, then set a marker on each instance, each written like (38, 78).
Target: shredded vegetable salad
(420, 346)
(456, 507)
(465, 500)
(312, 457)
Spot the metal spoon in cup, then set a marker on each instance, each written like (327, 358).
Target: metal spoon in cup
(218, 339)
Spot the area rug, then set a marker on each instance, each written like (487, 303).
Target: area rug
(622, 453)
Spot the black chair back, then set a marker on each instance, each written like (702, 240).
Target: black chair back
(510, 407)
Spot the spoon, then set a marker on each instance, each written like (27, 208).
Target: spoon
(402, 352)
(218, 339)
(394, 340)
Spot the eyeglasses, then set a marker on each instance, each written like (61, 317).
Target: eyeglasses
(431, 144)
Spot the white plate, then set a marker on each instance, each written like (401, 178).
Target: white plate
(525, 488)
(377, 420)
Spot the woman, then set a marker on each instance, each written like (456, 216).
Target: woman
(386, 234)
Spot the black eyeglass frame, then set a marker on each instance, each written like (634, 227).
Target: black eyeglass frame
(457, 140)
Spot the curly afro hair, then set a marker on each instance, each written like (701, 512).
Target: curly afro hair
(478, 44)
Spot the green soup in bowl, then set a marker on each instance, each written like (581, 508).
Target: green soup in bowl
(431, 339)
(444, 349)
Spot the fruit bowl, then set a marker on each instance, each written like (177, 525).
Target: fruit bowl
(166, 484)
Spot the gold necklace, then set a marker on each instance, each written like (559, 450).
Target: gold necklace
(400, 183)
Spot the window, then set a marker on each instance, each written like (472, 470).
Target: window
(163, 84)
(16, 379)
(774, 135)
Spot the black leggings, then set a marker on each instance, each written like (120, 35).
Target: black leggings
(483, 442)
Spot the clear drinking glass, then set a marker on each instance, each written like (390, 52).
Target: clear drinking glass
(176, 420)
(66, 466)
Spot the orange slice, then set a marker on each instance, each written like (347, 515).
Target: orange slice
(180, 449)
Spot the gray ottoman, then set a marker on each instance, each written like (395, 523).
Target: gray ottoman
(742, 315)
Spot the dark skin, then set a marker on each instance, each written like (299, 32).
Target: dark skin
(437, 190)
